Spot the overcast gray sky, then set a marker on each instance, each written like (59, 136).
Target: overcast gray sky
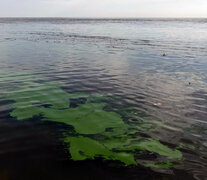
(103, 8)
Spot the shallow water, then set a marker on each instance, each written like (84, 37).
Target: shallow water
(118, 69)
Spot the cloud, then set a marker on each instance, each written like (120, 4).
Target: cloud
(104, 8)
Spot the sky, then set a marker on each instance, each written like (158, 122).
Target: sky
(103, 8)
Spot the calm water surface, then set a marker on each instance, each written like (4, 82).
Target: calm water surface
(120, 58)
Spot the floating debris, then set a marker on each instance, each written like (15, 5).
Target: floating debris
(159, 104)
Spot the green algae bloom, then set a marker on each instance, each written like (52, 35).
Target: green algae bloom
(90, 118)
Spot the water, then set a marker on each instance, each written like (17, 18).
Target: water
(45, 62)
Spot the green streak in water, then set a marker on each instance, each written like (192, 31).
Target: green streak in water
(150, 145)
(181, 145)
(166, 165)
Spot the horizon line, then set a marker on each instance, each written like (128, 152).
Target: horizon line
(104, 17)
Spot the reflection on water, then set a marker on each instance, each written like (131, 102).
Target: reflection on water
(156, 105)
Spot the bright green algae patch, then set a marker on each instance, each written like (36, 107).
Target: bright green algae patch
(87, 114)
(86, 148)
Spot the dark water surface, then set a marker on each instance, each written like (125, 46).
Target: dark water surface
(117, 63)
